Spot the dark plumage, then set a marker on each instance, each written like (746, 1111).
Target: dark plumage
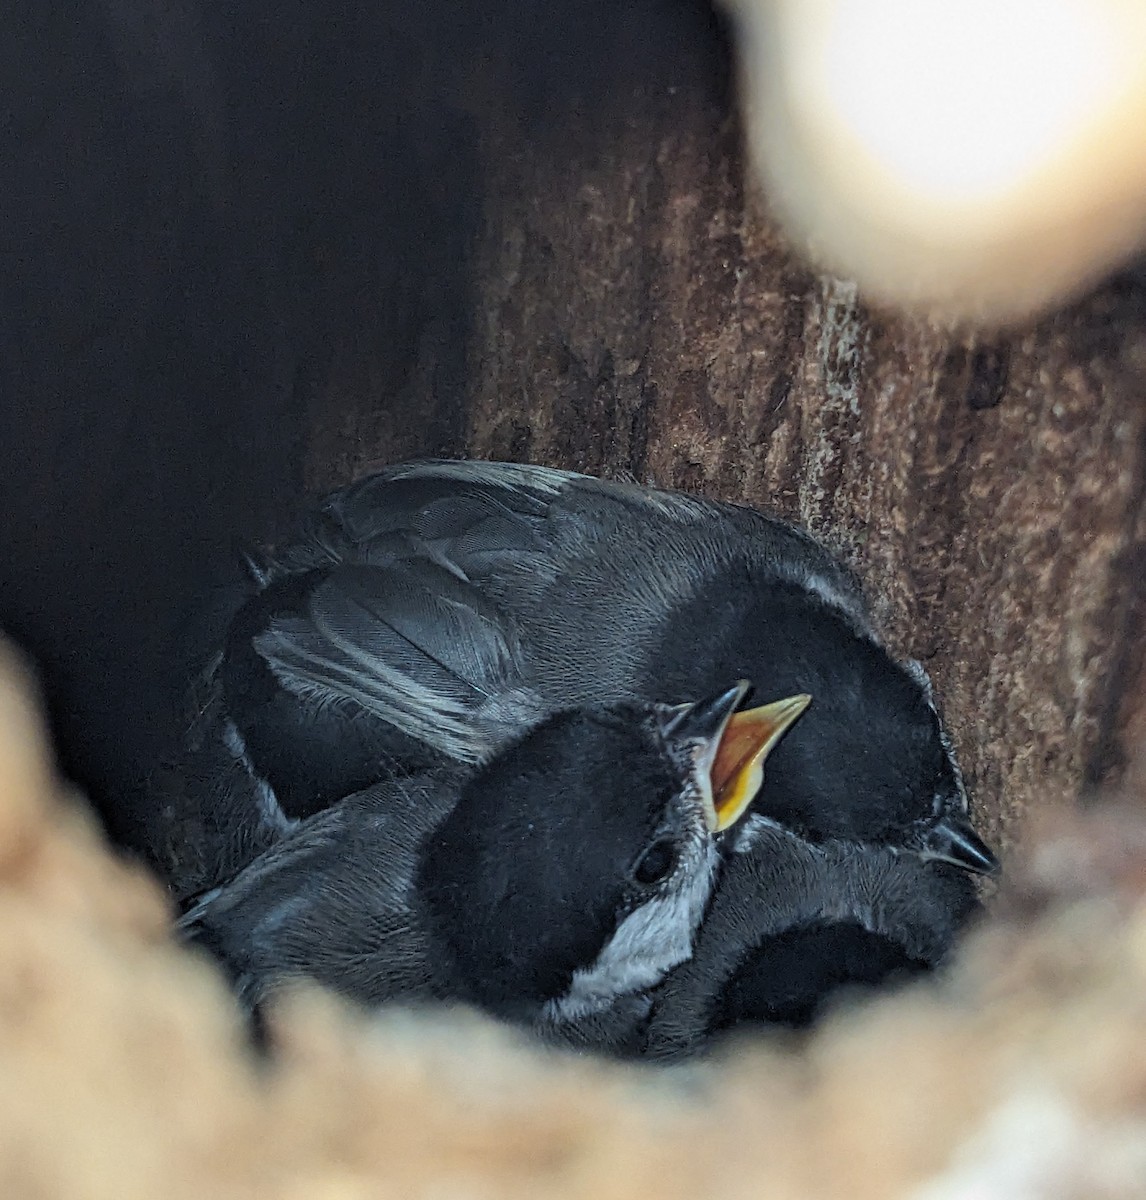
(557, 882)
(443, 607)
(429, 614)
(793, 924)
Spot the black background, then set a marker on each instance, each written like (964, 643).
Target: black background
(201, 201)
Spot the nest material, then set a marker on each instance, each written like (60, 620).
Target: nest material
(124, 1072)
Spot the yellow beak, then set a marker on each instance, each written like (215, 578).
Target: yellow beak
(738, 769)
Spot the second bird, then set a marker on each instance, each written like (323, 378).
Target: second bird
(440, 608)
(554, 885)
(431, 613)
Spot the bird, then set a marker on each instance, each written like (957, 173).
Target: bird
(425, 615)
(796, 927)
(434, 609)
(555, 883)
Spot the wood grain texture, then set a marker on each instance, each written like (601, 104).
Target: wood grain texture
(633, 310)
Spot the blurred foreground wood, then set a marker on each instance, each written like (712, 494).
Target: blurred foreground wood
(124, 1075)
(983, 159)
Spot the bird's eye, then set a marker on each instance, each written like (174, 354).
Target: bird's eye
(656, 862)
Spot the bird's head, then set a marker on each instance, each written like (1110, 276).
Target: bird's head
(578, 863)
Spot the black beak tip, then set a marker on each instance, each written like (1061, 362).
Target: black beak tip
(955, 842)
(706, 718)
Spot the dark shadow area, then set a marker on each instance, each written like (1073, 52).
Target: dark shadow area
(790, 979)
(204, 205)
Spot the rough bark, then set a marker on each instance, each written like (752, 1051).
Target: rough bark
(633, 311)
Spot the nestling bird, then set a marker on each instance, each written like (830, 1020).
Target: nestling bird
(438, 609)
(429, 614)
(563, 877)
(794, 924)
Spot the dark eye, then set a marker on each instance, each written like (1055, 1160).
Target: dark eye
(656, 862)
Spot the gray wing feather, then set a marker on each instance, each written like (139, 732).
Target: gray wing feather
(332, 902)
(446, 510)
(516, 521)
(578, 570)
(411, 643)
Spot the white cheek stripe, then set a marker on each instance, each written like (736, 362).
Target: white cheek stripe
(646, 945)
(266, 800)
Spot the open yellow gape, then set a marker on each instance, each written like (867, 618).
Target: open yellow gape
(738, 769)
